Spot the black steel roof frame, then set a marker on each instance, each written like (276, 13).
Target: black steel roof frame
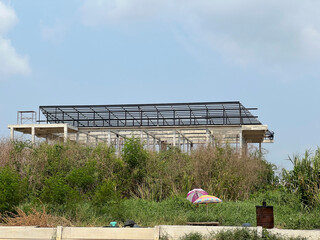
(162, 114)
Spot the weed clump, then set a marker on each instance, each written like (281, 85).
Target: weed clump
(192, 236)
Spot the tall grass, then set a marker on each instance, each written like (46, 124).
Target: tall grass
(223, 171)
(304, 179)
(178, 210)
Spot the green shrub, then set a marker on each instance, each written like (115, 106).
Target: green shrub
(12, 189)
(133, 153)
(57, 191)
(106, 193)
(83, 178)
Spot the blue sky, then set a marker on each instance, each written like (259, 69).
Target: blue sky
(265, 54)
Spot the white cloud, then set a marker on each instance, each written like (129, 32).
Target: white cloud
(11, 62)
(54, 33)
(248, 31)
(8, 18)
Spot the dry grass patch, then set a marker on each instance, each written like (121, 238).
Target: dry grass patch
(34, 218)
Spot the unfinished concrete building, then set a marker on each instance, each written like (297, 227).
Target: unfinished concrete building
(183, 125)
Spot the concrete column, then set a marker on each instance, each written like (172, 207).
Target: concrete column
(109, 139)
(260, 147)
(174, 138)
(96, 141)
(77, 137)
(245, 148)
(184, 144)
(12, 134)
(65, 134)
(33, 135)
(179, 140)
(207, 137)
(154, 144)
(148, 141)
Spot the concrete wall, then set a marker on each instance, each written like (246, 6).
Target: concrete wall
(308, 234)
(72, 233)
(27, 233)
(175, 232)
(99, 233)
(78, 233)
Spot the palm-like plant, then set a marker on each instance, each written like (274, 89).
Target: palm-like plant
(304, 178)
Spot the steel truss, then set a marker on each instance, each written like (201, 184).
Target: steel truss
(150, 115)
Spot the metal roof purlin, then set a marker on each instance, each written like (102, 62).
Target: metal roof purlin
(161, 116)
(146, 115)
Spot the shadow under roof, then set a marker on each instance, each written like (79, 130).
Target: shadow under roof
(143, 115)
